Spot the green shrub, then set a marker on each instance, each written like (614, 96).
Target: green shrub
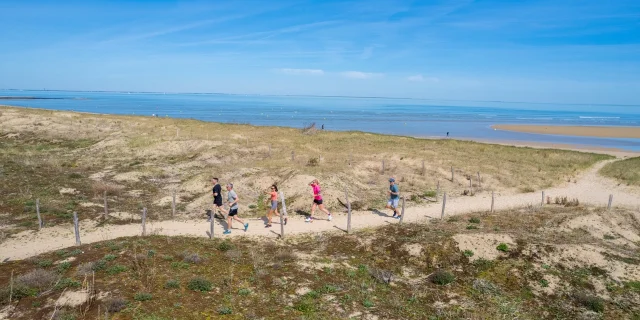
(67, 283)
(472, 227)
(115, 269)
(429, 194)
(151, 253)
(474, 220)
(45, 263)
(172, 284)
(468, 253)
(503, 247)
(64, 266)
(544, 283)
(143, 296)
(592, 303)
(367, 303)
(199, 284)
(633, 285)
(110, 257)
(179, 265)
(224, 310)
(225, 246)
(442, 277)
(244, 292)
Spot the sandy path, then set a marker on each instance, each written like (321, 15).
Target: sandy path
(590, 188)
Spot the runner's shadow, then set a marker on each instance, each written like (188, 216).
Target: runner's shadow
(380, 213)
(277, 234)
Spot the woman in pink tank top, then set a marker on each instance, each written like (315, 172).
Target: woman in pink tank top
(317, 201)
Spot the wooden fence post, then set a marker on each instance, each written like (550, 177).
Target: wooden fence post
(76, 228)
(293, 155)
(284, 213)
(423, 172)
(610, 202)
(444, 203)
(402, 212)
(479, 182)
(451, 173)
(40, 223)
(144, 221)
(177, 132)
(542, 202)
(211, 223)
(470, 185)
(106, 208)
(173, 204)
(269, 150)
(346, 195)
(492, 199)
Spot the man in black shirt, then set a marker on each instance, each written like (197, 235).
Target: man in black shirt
(217, 199)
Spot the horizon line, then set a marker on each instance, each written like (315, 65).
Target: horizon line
(330, 96)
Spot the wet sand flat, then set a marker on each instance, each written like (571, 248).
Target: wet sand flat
(582, 131)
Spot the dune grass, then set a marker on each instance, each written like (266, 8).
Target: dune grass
(626, 171)
(140, 160)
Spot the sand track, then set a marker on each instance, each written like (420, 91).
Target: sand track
(589, 188)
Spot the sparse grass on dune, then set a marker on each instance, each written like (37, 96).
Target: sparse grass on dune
(626, 171)
(140, 160)
(407, 271)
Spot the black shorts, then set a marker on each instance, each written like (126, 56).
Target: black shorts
(218, 202)
(233, 212)
(317, 201)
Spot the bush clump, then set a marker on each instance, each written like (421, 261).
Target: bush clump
(116, 304)
(199, 284)
(143, 296)
(172, 284)
(442, 277)
(590, 302)
(503, 247)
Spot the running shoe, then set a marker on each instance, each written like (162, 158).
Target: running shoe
(268, 226)
(330, 217)
(227, 231)
(246, 226)
(398, 217)
(308, 219)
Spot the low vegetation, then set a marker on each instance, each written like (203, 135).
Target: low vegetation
(69, 161)
(338, 276)
(626, 171)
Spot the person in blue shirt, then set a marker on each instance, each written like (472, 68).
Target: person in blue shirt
(394, 197)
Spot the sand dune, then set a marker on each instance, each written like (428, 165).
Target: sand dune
(583, 131)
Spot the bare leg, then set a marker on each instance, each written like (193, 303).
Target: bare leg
(313, 209)
(238, 219)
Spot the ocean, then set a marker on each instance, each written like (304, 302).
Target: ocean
(409, 117)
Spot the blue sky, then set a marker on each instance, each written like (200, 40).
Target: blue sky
(580, 51)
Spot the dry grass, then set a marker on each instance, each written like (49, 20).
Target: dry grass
(626, 171)
(140, 160)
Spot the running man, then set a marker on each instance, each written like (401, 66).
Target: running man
(394, 197)
(232, 202)
(317, 201)
(217, 199)
(272, 202)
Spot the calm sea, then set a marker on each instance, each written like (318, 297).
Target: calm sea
(421, 118)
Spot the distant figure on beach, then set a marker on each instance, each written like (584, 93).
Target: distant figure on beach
(217, 199)
(394, 197)
(232, 202)
(272, 202)
(447, 133)
(317, 201)
(323, 126)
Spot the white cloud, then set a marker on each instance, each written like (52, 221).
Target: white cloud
(298, 72)
(420, 78)
(360, 75)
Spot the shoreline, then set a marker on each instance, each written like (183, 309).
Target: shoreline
(578, 131)
(618, 152)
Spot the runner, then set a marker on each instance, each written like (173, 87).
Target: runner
(272, 202)
(394, 197)
(217, 199)
(232, 202)
(317, 201)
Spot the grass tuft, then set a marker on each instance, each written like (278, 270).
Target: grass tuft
(200, 284)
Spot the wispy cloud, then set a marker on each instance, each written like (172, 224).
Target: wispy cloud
(360, 75)
(301, 72)
(420, 78)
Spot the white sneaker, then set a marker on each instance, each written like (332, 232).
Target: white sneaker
(330, 217)
(307, 219)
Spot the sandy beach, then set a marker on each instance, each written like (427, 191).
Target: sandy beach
(582, 131)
